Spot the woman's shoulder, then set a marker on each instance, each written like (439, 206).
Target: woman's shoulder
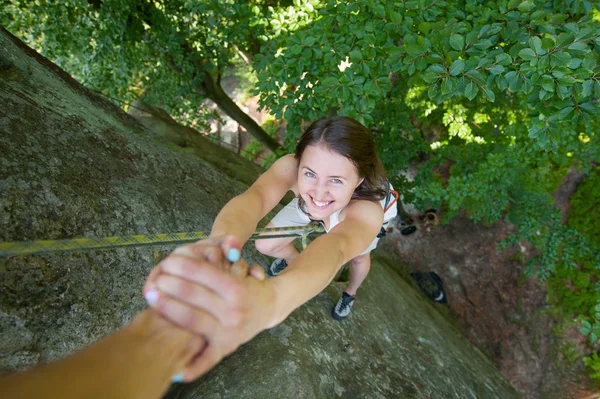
(288, 160)
(285, 167)
(283, 172)
(362, 208)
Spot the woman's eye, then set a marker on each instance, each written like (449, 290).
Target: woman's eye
(309, 174)
(336, 181)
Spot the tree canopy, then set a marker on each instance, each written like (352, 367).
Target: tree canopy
(492, 102)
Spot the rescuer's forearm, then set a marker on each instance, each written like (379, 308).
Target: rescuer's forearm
(137, 361)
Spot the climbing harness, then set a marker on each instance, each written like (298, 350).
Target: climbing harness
(388, 205)
(89, 243)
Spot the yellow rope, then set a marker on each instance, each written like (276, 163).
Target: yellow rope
(87, 243)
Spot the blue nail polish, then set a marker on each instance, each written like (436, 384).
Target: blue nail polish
(233, 255)
(151, 296)
(177, 378)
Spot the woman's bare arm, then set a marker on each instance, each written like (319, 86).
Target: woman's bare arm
(310, 272)
(241, 215)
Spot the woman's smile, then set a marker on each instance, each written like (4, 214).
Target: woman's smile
(320, 204)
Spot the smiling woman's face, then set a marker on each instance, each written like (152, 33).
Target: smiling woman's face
(326, 181)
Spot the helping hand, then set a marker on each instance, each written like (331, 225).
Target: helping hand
(197, 288)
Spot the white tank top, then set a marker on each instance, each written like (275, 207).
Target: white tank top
(334, 218)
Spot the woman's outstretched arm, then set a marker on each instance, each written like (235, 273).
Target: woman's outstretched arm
(310, 272)
(240, 216)
(137, 361)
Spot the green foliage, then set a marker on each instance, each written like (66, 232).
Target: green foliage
(576, 290)
(593, 364)
(585, 204)
(539, 59)
(255, 147)
(128, 49)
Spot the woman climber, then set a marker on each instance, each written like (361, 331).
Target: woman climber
(338, 179)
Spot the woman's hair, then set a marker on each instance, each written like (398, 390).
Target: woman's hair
(347, 137)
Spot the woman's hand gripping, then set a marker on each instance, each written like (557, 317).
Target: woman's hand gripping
(207, 288)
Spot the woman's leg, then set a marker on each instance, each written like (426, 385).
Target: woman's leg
(359, 268)
(281, 248)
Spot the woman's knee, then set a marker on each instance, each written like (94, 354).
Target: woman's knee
(270, 246)
(264, 246)
(362, 262)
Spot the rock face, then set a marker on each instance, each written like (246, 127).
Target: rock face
(74, 165)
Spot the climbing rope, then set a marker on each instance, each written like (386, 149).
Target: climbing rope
(88, 243)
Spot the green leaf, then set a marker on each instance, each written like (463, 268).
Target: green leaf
(578, 46)
(437, 68)
(566, 80)
(471, 90)
(590, 108)
(356, 56)
(535, 131)
(589, 62)
(548, 42)
(527, 86)
(489, 95)
(561, 58)
(565, 112)
(330, 81)
(536, 44)
(457, 67)
(447, 86)
(433, 92)
(496, 69)
(430, 77)
(512, 78)
(527, 54)
(564, 38)
(457, 42)
(477, 76)
(542, 64)
(484, 62)
(588, 85)
(396, 17)
(501, 82)
(504, 59)
(563, 91)
(414, 49)
(483, 44)
(513, 15)
(309, 41)
(526, 6)
(548, 83)
(296, 49)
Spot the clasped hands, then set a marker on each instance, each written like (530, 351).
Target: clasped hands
(199, 289)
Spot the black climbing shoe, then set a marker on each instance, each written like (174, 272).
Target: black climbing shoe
(343, 308)
(276, 267)
(431, 284)
(408, 230)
